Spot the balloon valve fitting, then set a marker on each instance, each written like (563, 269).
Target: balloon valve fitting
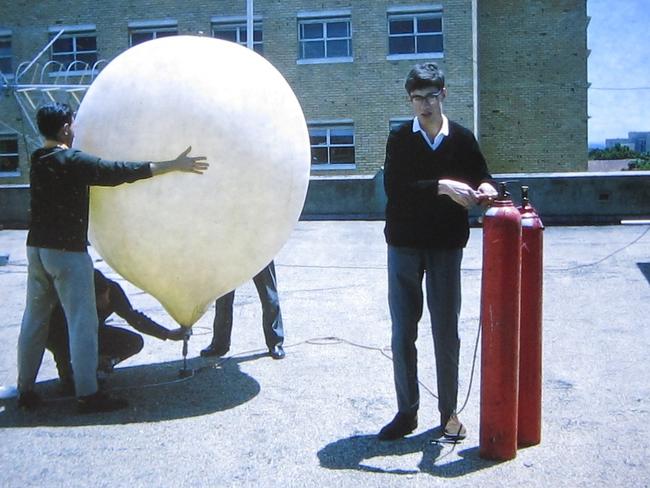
(184, 372)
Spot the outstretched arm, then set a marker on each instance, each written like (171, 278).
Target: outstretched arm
(184, 163)
(120, 304)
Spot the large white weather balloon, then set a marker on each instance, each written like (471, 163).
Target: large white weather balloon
(184, 238)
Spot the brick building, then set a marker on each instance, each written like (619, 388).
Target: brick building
(516, 71)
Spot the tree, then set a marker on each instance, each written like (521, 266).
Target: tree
(616, 152)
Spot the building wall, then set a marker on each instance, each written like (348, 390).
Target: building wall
(533, 85)
(530, 122)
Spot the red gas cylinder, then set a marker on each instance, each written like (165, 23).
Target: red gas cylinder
(500, 302)
(529, 427)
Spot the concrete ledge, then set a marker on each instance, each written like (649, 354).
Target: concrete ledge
(560, 198)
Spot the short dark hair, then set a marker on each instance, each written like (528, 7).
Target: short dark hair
(424, 75)
(51, 117)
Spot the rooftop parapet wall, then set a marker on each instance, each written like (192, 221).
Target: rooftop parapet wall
(560, 198)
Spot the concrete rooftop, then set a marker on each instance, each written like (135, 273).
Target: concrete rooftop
(311, 419)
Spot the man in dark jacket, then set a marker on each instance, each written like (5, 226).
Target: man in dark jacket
(115, 343)
(59, 266)
(434, 172)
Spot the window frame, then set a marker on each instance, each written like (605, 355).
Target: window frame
(6, 36)
(154, 27)
(414, 15)
(10, 136)
(324, 18)
(329, 126)
(239, 25)
(74, 33)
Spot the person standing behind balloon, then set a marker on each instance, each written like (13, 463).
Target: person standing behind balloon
(59, 266)
(434, 172)
(266, 284)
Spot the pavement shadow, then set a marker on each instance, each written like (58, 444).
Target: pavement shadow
(645, 269)
(357, 453)
(156, 392)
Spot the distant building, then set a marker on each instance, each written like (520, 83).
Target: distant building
(637, 141)
(516, 71)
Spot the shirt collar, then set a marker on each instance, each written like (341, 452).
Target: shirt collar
(444, 131)
(49, 143)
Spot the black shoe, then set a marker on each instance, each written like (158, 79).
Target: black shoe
(29, 400)
(100, 402)
(277, 352)
(214, 350)
(400, 426)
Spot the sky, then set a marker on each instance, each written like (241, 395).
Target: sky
(618, 68)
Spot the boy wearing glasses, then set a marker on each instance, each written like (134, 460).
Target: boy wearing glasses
(434, 171)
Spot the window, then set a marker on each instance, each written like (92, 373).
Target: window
(140, 32)
(396, 123)
(327, 39)
(9, 154)
(75, 47)
(234, 30)
(332, 146)
(6, 58)
(417, 34)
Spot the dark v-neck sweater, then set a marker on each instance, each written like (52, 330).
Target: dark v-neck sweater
(416, 216)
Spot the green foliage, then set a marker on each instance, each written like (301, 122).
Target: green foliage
(641, 160)
(616, 152)
(641, 164)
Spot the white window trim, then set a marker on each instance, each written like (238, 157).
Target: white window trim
(397, 57)
(8, 34)
(331, 124)
(145, 27)
(324, 17)
(321, 14)
(414, 9)
(74, 29)
(346, 59)
(152, 24)
(233, 19)
(238, 21)
(411, 12)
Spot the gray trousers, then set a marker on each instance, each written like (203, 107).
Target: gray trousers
(406, 269)
(66, 276)
(267, 289)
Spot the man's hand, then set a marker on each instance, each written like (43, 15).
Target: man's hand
(184, 163)
(191, 164)
(459, 192)
(176, 334)
(486, 193)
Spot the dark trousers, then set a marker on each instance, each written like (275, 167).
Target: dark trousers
(406, 269)
(115, 343)
(266, 284)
